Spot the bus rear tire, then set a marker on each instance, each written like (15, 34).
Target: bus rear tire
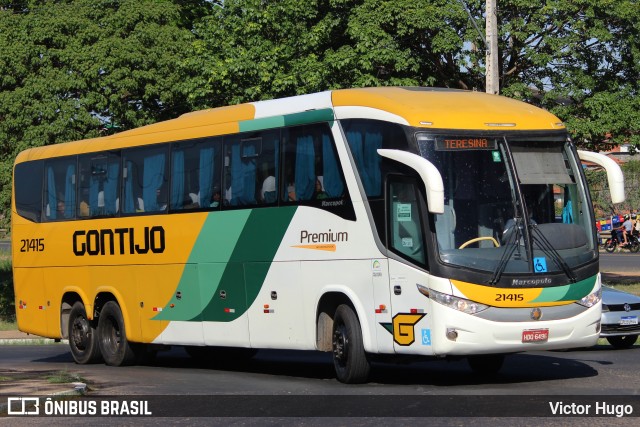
(486, 364)
(349, 358)
(114, 346)
(83, 337)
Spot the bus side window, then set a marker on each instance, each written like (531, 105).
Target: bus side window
(195, 174)
(251, 168)
(240, 173)
(145, 180)
(99, 182)
(312, 170)
(28, 179)
(268, 162)
(60, 189)
(365, 138)
(407, 237)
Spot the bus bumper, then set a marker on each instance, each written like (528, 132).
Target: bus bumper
(457, 333)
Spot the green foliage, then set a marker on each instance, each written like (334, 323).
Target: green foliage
(7, 299)
(599, 188)
(78, 69)
(579, 59)
(67, 68)
(64, 377)
(253, 49)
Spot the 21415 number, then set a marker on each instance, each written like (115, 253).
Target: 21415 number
(32, 245)
(510, 297)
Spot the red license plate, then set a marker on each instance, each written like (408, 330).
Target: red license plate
(535, 335)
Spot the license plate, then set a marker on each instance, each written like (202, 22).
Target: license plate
(535, 335)
(629, 320)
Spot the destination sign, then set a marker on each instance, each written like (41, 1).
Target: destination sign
(464, 143)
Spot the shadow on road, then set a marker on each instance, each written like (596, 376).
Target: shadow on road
(518, 368)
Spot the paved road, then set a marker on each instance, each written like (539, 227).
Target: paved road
(273, 377)
(621, 262)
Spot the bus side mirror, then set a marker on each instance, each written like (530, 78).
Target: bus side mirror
(428, 173)
(614, 173)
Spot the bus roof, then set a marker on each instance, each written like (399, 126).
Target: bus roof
(429, 108)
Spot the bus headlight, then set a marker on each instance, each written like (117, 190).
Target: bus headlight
(460, 304)
(592, 299)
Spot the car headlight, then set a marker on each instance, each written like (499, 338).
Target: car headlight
(460, 304)
(592, 299)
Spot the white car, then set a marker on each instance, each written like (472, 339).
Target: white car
(620, 312)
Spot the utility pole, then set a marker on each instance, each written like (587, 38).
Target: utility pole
(492, 76)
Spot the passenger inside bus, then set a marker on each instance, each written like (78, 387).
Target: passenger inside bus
(320, 193)
(268, 192)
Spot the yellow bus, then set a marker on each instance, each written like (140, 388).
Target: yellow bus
(364, 222)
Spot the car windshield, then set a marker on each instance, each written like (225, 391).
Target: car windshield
(511, 205)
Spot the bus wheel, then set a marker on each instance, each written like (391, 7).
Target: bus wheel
(625, 341)
(83, 339)
(349, 359)
(486, 364)
(114, 346)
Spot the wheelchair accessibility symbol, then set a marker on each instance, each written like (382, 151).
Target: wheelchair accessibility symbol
(540, 265)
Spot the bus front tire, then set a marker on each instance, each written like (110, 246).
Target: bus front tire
(115, 348)
(349, 358)
(83, 339)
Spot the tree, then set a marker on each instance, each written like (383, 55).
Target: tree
(599, 189)
(67, 68)
(71, 68)
(255, 49)
(579, 59)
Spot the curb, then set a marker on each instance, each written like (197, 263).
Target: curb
(31, 341)
(79, 389)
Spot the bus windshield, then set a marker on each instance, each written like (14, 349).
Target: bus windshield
(512, 205)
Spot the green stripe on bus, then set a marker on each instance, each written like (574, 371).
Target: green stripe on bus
(572, 292)
(212, 250)
(312, 116)
(260, 124)
(231, 258)
(580, 289)
(249, 263)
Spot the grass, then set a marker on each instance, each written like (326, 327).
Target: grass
(7, 299)
(65, 377)
(633, 288)
(8, 326)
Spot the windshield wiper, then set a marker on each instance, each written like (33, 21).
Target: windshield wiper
(551, 252)
(508, 252)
